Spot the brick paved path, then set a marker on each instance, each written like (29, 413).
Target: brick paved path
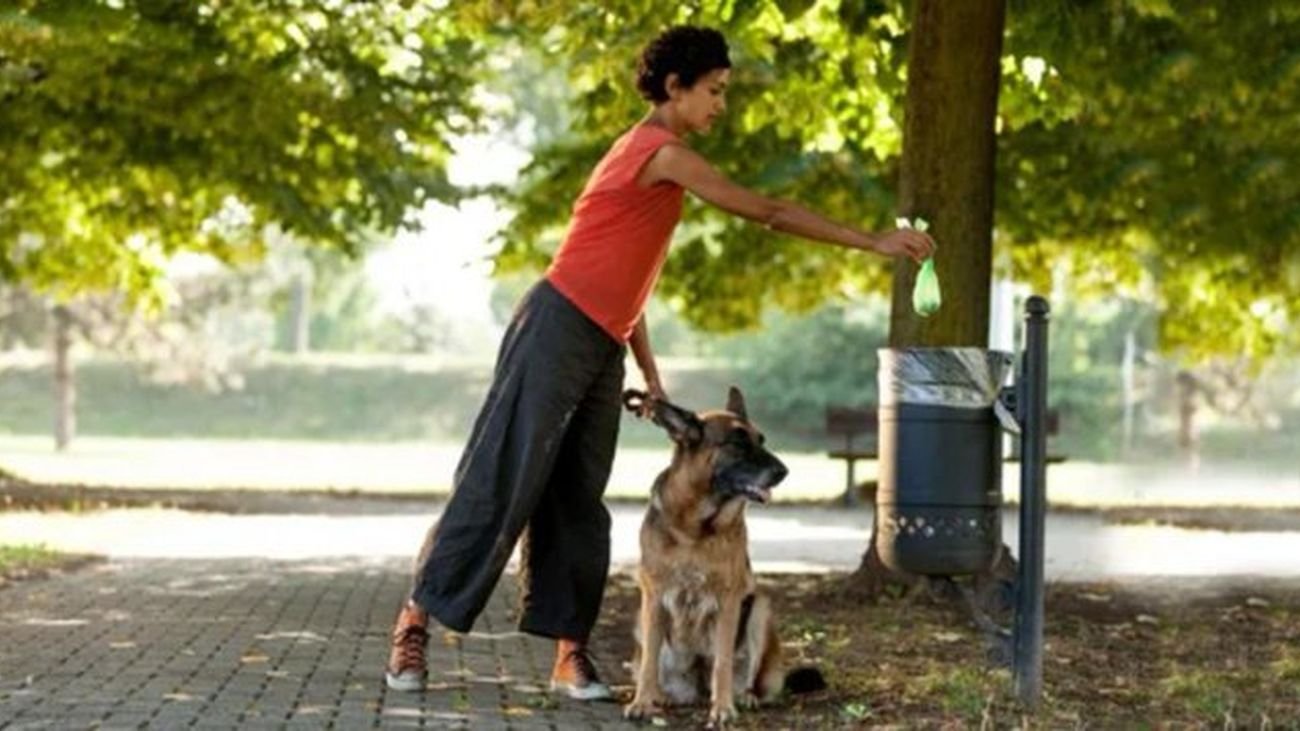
(256, 644)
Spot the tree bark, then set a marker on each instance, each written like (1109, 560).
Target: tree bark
(9, 335)
(300, 316)
(947, 172)
(65, 385)
(1188, 438)
(1128, 377)
(947, 178)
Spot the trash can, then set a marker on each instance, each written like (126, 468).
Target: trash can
(939, 499)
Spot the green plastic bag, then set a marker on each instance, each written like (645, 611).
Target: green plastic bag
(926, 298)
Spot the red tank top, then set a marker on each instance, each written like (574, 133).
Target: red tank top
(618, 237)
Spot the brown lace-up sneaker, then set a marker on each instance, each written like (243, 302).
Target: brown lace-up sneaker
(575, 674)
(406, 669)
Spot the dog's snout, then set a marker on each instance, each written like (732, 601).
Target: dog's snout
(779, 471)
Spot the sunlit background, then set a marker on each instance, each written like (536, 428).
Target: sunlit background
(309, 348)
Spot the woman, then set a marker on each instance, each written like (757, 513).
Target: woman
(541, 449)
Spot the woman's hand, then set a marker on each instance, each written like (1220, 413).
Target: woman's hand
(654, 394)
(655, 391)
(908, 242)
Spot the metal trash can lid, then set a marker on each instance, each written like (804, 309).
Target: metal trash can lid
(967, 378)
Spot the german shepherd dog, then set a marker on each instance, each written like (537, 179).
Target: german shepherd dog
(704, 631)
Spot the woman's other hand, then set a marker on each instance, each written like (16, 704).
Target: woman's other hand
(654, 392)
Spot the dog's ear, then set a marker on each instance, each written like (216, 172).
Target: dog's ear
(682, 426)
(736, 403)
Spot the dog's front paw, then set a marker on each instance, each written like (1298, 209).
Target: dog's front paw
(721, 714)
(747, 700)
(643, 707)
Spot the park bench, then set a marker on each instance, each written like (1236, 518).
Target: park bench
(857, 428)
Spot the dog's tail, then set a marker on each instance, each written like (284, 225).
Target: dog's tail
(804, 680)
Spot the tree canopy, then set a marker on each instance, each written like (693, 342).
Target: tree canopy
(1167, 165)
(134, 129)
(1145, 149)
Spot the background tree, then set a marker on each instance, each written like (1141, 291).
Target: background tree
(1137, 138)
(134, 130)
(1152, 162)
(140, 128)
(1141, 151)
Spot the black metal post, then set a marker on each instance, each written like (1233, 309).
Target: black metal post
(1032, 405)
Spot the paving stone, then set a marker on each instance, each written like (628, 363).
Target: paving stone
(255, 644)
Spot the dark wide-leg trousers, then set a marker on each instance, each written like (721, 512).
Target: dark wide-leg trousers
(536, 464)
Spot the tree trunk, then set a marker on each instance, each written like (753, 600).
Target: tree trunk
(300, 316)
(1128, 377)
(9, 335)
(65, 385)
(1188, 437)
(954, 60)
(947, 173)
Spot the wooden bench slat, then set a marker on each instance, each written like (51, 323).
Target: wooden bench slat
(842, 421)
(1051, 458)
(853, 454)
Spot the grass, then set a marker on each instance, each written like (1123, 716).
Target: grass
(962, 690)
(21, 561)
(1287, 666)
(26, 557)
(318, 398)
(380, 399)
(1206, 694)
(856, 711)
(279, 400)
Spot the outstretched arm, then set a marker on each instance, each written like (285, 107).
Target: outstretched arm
(685, 167)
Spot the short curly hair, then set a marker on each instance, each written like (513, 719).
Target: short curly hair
(686, 50)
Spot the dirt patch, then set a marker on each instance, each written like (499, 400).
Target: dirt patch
(1116, 656)
(19, 494)
(1224, 519)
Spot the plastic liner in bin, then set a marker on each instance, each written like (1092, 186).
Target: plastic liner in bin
(940, 492)
(964, 378)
